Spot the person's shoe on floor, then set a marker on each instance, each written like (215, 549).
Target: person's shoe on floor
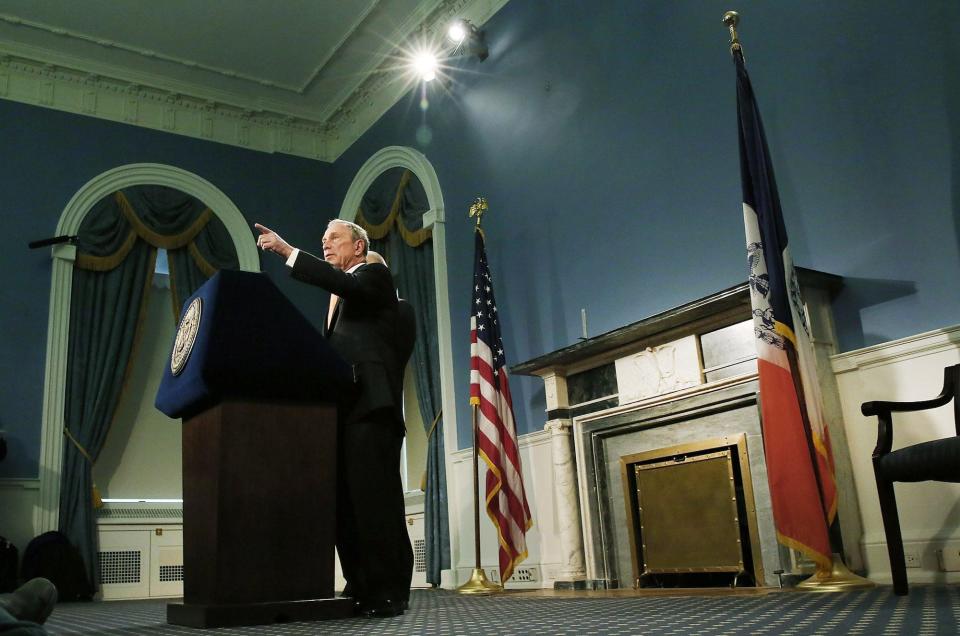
(382, 609)
(33, 601)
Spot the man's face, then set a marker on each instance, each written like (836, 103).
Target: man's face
(339, 248)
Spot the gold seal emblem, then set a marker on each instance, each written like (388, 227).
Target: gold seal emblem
(186, 334)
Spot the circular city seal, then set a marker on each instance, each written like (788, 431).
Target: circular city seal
(186, 334)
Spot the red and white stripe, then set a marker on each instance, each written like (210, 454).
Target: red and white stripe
(497, 443)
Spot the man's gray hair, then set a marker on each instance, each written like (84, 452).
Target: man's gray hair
(357, 232)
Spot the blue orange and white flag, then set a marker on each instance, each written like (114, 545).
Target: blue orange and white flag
(795, 434)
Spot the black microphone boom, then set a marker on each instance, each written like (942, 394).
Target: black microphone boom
(53, 240)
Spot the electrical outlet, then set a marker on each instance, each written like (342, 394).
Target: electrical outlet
(526, 575)
(912, 558)
(493, 574)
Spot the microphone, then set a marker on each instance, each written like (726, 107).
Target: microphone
(53, 240)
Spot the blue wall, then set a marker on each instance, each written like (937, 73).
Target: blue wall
(604, 136)
(45, 158)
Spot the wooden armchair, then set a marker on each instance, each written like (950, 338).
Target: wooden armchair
(936, 460)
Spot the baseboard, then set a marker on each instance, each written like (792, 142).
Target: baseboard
(526, 576)
(927, 556)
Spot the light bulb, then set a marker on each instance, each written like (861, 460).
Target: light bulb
(426, 66)
(457, 31)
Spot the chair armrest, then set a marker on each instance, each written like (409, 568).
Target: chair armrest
(951, 386)
(883, 410)
(877, 407)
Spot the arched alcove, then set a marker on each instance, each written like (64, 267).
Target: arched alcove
(420, 166)
(47, 512)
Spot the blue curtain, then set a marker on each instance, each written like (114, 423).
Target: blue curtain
(392, 213)
(116, 255)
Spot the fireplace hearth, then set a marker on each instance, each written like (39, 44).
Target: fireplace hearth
(610, 444)
(691, 515)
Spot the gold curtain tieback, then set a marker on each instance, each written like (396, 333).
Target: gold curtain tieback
(96, 498)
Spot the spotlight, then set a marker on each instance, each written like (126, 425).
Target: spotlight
(458, 31)
(469, 39)
(425, 64)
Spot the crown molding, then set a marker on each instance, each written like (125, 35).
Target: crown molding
(142, 52)
(42, 78)
(41, 84)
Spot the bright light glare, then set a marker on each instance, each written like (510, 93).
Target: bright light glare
(457, 31)
(425, 64)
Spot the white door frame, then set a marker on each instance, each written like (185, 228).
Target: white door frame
(419, 165)
(46, 514)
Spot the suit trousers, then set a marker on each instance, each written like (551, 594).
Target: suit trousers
(372, 539)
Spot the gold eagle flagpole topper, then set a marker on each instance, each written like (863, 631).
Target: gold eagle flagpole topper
(478, 584)
(478, 208)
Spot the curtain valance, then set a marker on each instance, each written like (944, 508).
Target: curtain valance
(161, 217)
(395, 199)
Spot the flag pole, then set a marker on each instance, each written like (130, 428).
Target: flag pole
(479, 584)
(838, 578)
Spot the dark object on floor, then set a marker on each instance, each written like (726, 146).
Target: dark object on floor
(383, 609)
(33, 601)
(9, 558)
(52, 556)
(936, 460)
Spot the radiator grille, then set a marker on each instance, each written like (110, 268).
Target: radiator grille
(120, 566)
(171, 573)
(119, 512)
(419, 555)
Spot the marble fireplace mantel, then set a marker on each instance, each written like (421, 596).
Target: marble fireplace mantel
(696, 348)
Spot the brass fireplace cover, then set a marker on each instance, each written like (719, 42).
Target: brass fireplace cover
(687, 513)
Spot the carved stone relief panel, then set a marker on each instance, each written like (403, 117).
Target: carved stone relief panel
(657, 370)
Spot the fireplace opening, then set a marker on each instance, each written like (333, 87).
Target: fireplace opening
(691, 515)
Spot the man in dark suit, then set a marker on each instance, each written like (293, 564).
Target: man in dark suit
(372, 538)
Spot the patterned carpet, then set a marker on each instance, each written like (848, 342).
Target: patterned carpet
(927, 611)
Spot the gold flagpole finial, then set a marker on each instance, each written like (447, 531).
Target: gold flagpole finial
(478, 208)
(732, 19)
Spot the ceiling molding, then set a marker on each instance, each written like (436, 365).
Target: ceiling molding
(353, 29)
(80, 93)
(52, 79)
(145, 53)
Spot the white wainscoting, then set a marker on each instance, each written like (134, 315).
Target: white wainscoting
(539, 569)
(906, 369)
(18, 497)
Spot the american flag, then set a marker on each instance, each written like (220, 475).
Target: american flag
(795, 435)
(496, 433)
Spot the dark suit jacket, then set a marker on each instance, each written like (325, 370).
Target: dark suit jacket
(364, 330)
(406, 331)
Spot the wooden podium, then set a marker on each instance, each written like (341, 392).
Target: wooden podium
(259, 458)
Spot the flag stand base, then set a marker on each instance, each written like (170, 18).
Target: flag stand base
(479, 584)
(838, 579)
